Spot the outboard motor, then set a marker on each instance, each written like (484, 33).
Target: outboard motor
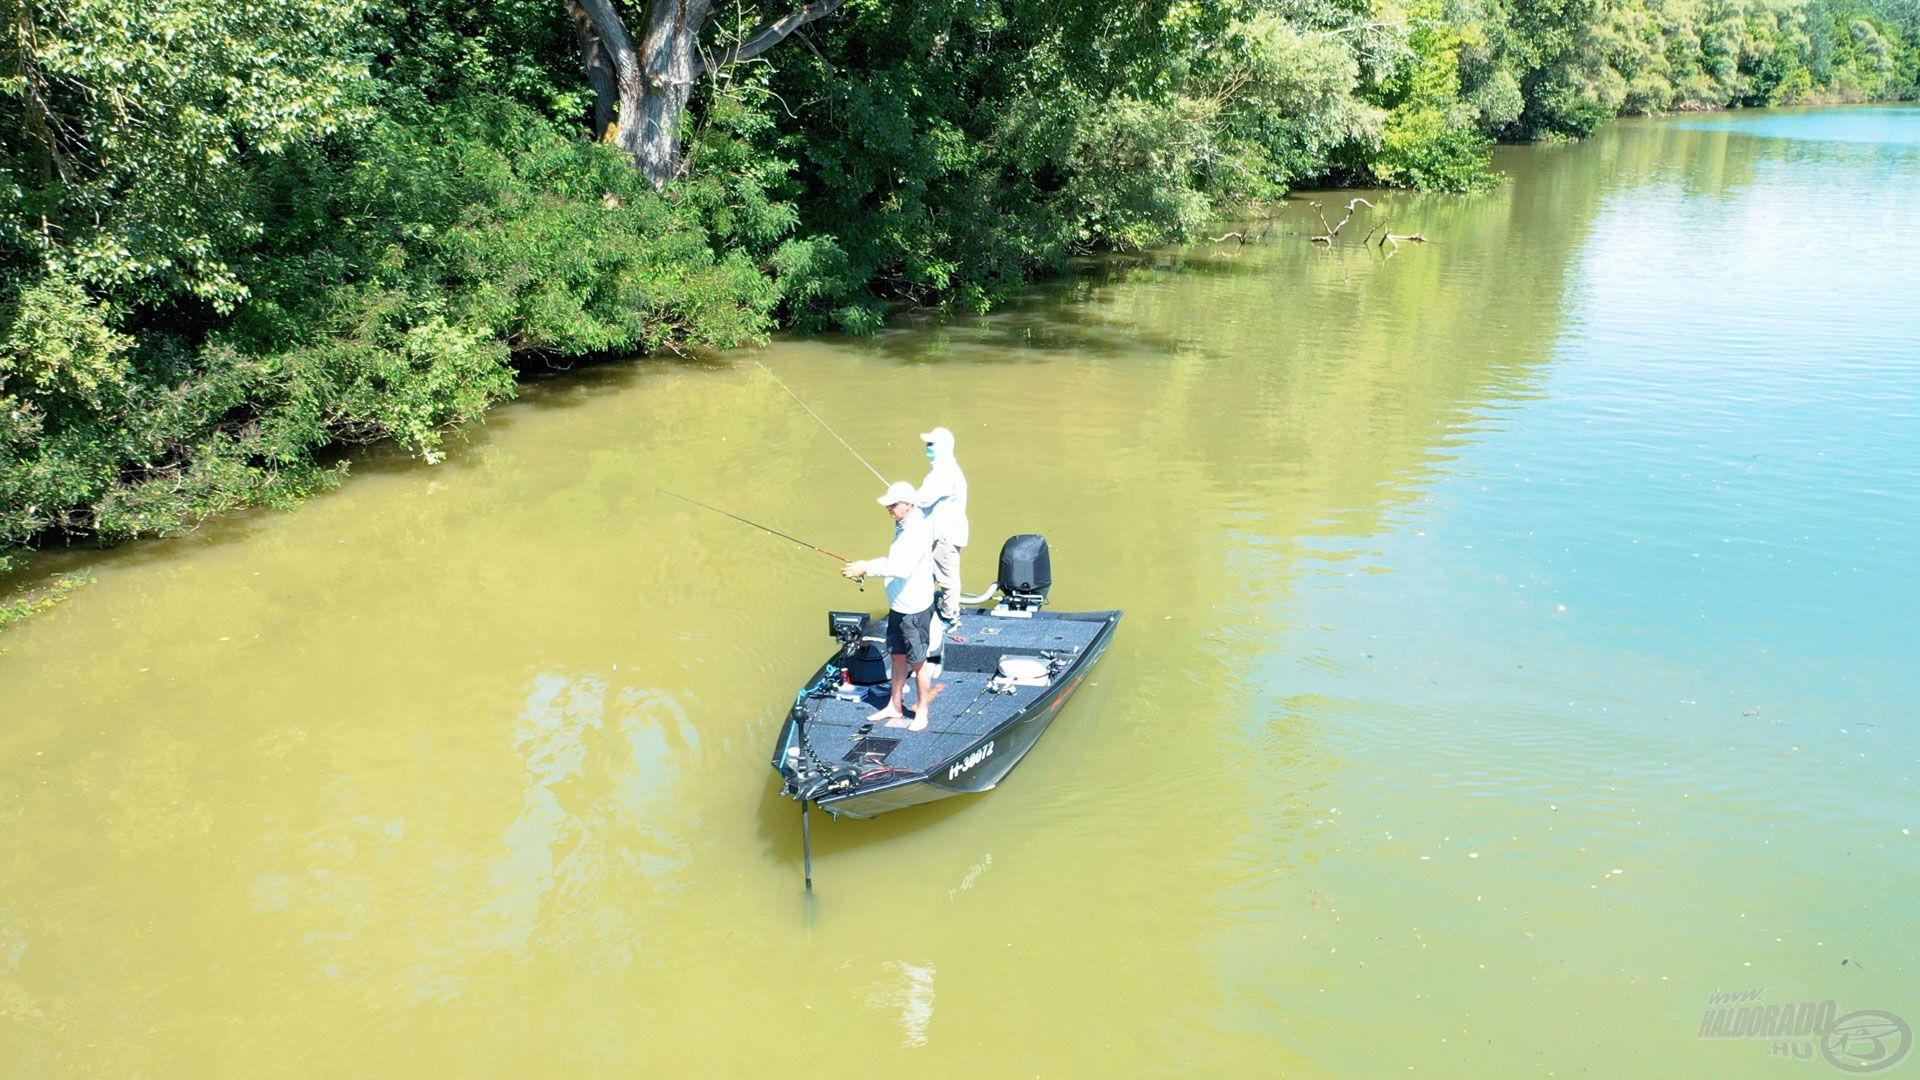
(1026, 572)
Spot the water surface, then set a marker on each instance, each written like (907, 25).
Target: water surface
(1519, 650)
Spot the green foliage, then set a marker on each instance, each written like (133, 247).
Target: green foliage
(427, 53)
(1499, 101)
(151, 452)
(1432, 138)
(233, 238)
(408, 266)
(1435, 149)
(1284, 102)
(57, 348)
(134, 128)
(33, 601)
(1580, 62)
(1128, 165)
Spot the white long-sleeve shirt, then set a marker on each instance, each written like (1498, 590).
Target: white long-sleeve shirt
(908, 565)
(943, 498)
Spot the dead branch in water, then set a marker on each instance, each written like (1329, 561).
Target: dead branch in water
(1242, 236)
(1334, 230)
(1388, 236)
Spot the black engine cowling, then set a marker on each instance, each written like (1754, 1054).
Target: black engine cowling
(1026, 570)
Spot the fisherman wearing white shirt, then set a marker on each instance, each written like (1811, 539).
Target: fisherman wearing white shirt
(908, 568)
(943, 498)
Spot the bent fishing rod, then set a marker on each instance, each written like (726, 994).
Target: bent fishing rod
(823, 423)
(757, 525)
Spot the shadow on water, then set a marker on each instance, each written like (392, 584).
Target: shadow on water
(1028, 335)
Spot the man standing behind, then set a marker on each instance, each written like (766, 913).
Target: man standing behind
(943, 498)
(908, 568)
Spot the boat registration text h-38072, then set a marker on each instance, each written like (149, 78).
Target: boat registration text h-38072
(970, 761)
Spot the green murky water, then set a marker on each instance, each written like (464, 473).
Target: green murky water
(1520, 649)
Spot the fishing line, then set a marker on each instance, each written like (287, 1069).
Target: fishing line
(823, 423)
(757, 525)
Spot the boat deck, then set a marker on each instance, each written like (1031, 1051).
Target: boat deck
(963, 713)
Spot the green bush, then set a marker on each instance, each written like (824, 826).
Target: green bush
(1429, 149)
(411, 265)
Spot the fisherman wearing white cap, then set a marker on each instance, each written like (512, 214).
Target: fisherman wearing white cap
(943, 498)
(908, 568)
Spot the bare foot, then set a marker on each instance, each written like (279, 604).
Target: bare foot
(924, 711)
(889, 714)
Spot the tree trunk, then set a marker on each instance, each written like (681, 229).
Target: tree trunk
(670, 50)
(600, 75)
(649, 86)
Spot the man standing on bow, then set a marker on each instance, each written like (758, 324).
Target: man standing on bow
(943, 498)
(908, 568)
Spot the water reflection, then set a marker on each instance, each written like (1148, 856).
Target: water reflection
(908, 990)
(594, 822)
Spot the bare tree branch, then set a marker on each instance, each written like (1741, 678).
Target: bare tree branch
(612, 33)
(777, 31)
(1388, 236)
(1334, 230)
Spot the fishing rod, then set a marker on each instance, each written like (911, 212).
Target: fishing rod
(757, 525)
(823, 423)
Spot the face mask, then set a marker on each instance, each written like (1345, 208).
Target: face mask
(929, 451)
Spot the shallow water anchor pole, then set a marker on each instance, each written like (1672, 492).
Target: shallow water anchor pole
(806, 843)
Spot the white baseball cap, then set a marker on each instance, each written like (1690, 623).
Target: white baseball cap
(939, 437)
(899, 492)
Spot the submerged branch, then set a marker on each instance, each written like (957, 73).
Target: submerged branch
(1388, 236)
(1332, 231)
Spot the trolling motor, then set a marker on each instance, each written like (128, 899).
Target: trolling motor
(809, 777)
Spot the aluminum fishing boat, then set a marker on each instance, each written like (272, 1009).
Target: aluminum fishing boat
(1008, 670)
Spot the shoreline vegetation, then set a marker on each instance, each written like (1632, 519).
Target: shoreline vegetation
(234, 241)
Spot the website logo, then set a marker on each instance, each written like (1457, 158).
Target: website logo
(1861, 1042)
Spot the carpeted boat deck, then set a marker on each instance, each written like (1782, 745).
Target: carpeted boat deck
(838, 730)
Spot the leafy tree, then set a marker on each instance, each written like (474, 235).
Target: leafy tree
(1432, 137)
(643, 89)
(133, 128)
